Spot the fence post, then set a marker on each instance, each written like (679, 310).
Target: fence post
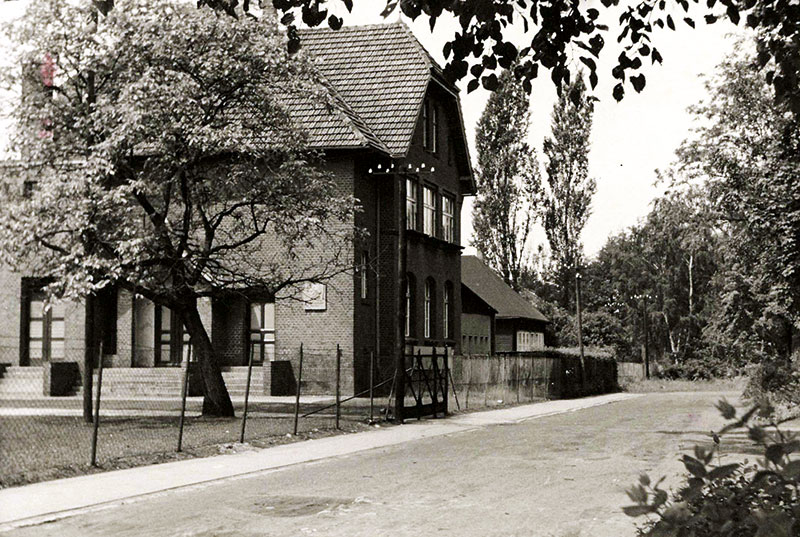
(488, 368)
(391, 393)
(338, 381)
(435, 375)
(468, 376)
(97, 406)
(419, 384)
(371, 385)
(297, 391)
(184, 390)
(517, 375)
(247, 392)
(448, 381)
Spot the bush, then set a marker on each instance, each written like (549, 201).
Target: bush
(694, 369)
(775, 386)
(731, 500)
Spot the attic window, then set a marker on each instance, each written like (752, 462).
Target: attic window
(430, 126)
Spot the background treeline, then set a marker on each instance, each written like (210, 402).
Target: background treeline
(713, 268)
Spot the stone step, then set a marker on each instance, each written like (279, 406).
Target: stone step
(23, 372)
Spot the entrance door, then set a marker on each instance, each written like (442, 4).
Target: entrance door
(172, 341)
(45, 330)
(262, 331)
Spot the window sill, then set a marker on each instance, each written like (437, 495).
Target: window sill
(419, 236)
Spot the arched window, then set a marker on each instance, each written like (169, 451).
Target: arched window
(430, 296)
(409, 304)
(447, 314)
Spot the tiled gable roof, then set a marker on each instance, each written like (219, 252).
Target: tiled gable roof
(491, 288)
(337, 126)
(381, 72)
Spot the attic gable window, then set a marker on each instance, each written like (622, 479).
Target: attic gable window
(430, 126)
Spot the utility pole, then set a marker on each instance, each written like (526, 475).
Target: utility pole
(580, 323)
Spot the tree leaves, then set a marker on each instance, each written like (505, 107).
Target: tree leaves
(694, 466)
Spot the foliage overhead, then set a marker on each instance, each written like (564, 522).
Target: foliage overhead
(558, 35)
(508, 181)
(163, 159)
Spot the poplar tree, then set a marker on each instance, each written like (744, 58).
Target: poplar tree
(508, 180)
(570, 189)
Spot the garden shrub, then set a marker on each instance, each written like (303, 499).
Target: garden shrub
(775, 386)
(732, 500)
(694, 369)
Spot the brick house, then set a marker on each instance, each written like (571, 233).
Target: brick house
(495, 318)
(397, 143)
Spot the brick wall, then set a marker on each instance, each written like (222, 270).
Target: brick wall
(320, 331)
(9, 317)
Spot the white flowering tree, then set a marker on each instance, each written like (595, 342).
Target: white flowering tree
(161, 158)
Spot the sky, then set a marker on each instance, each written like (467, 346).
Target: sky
(629, 140)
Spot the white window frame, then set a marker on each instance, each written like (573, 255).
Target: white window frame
(428, 211)
(448, 218)
(412, 204)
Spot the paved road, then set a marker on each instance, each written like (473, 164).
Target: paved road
(559, 476)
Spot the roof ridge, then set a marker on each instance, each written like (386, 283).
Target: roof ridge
(354, 27)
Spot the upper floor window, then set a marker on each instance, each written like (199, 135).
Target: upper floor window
(430, 126)
(448, 219)
(429, 211)
(411, 204)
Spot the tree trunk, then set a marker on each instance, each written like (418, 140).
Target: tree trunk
(216, 401)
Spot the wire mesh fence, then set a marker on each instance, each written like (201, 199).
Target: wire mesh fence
(140, 415)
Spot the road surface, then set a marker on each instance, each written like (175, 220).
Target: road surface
(557, 476)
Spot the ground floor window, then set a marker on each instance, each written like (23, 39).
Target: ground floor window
(45, 329)
(262, 331)
(529, 341)
(173, 344)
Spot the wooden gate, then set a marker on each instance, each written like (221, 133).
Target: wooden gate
(423, 384)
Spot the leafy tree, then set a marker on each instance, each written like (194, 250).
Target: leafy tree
(166, 162)
(570, 188)
(556, 32)
(668, 263)
(748, 151)
(508, 181)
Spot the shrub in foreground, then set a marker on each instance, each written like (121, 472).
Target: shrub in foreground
(732, 500)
